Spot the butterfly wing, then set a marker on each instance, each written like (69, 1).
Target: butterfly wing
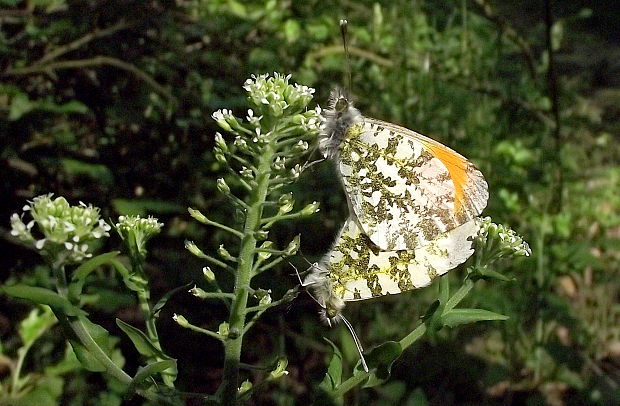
(358, 269)
(406, 189)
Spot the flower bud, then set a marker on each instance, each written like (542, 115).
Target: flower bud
(265, 300)
(245, 386)
(223, 329)
(293, 246)
(220, 143)
(219, 157)
(296, 171)
(222, 186)
(197, 215)
(286, 203)
(310, 209)
(265, 255)
(220, 117)
(193, 248)
(261, 235)
(199, 293)
(223, 252)
(208, 274)
(301, 146)
(279, 164)
(246, 173)
(180, 320)
(280, 369)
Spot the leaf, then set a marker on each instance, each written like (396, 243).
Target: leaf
(292, 31)
(164, 299)
(98, 172)
(43, 296)
(103, 339)
(80, 274)
(432, 319)
(20, 105)
(149, 370)
(456, 317)
(333, 377)
(237, 9)
(380, 360)
(140, 340)
(46, 391)
(38, 321)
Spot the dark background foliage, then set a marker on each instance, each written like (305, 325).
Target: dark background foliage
(110, 102)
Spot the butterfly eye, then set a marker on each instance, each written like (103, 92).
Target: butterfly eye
(341, 105)
(331, 313)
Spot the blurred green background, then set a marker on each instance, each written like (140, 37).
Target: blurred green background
(110, 102)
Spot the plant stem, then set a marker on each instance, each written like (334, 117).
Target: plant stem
(79, 329)
(232, 350)
(360, 377)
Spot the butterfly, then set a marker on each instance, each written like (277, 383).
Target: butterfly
(413, 203)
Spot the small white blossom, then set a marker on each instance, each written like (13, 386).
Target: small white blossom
(62, 227)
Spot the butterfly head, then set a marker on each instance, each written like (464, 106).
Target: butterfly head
(339, 117)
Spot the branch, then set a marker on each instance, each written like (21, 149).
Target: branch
(503, 25)
(72, 46)
(95, 61)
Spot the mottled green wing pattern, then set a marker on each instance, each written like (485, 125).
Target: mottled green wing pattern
(358, 269)
(405, 188)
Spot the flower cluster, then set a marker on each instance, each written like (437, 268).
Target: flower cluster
(495, 241)
(138, 229)
(61, 229)
(273, 95)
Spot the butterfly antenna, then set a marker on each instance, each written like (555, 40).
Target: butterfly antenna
(358, 344)
(297, 273)
(343, 31)
(301, 282)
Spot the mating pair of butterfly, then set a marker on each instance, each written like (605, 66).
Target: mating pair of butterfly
(413, 202)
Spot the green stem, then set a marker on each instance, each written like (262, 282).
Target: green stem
(360, 377)
(232, 350)
(77, 327)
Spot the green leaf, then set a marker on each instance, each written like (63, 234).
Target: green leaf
(38, 321)
(43, 296)
(456, 317)
(80, 274)
(20, 105)
(140, 340)
(164, 299)
(380, 360)
(98, 172)
(483, 272)
(237, 9)
(103, 339)
(292, 30)
(148, 371)
(333, 377)
(46, 391)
